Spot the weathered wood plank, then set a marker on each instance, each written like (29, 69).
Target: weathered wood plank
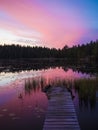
(61, 123)
(60, 120)
(61, 113)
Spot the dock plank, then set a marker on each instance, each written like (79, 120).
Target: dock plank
(61, 113)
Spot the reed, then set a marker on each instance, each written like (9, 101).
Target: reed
(85, 86)
(87, 91)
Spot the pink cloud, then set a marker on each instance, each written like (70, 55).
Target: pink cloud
(56, 28)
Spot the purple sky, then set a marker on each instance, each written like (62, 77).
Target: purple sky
(50, 23)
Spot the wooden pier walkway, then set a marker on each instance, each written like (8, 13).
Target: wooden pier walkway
(61, 113)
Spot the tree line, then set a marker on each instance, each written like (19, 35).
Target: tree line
(85, 52)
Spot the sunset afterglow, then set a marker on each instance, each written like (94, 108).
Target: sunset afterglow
(50, 23)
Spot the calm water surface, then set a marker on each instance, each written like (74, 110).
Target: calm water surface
(23, 108)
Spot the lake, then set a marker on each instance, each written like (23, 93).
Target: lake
(23, 101)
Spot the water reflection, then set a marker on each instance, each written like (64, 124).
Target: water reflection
(24, 110)
(24, 101)
(85, 88)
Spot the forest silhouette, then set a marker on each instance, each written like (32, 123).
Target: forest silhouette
(84, 52)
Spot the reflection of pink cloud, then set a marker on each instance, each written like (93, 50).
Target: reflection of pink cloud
(56, 28)
(59, 73)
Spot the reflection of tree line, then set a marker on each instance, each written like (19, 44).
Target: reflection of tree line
(87, 68)
(39, 64)
(30, 64)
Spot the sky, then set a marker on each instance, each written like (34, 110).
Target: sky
(49, 23)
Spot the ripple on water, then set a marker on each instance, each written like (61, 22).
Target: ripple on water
(1, 115)
(12, 114)
(4, 109)
(29, 106)
(38, 116)
(15, 118)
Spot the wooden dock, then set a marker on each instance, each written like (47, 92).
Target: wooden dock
(61, 113)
